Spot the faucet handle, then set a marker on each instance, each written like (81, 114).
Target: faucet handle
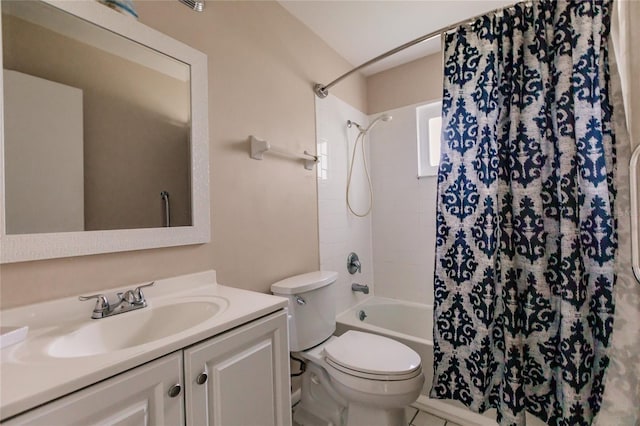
(139, 295)
(128, 296)
(102, 303)
(353, 263)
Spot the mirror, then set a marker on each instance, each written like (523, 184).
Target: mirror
(105, 141)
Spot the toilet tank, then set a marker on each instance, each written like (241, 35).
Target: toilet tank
(312, 310)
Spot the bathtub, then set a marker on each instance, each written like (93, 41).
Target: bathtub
(411, 324)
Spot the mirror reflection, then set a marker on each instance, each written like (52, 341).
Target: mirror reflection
(97, 127)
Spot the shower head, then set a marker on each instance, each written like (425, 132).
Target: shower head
(351, 123)
(383, 117)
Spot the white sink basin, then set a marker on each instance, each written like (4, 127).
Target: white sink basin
(134, 328)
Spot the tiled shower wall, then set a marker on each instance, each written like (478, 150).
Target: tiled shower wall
(340, 232)
(396, 242)
(404, 211)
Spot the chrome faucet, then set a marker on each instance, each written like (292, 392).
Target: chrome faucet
(130, 300)
(360, 287)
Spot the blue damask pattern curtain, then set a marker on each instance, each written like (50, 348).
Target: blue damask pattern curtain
(526, 235)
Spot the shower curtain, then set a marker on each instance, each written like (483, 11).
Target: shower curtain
(526, 236)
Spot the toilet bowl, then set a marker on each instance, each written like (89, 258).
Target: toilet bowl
(374, 370)
(356, 379)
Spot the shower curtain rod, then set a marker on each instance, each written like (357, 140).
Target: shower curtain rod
(322, 90)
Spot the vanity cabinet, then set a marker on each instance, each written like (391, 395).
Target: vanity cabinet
(240, 377)
(136, 397)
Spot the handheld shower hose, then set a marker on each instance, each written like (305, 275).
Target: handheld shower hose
(361, 139)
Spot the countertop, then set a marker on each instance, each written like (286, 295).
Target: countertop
(30, 377)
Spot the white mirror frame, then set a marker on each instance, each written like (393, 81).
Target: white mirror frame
(634, 169)
(24, 247)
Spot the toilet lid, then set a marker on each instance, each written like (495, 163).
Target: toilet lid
(372, 354)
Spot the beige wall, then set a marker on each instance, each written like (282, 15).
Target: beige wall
(625, 31)
(634, 59)
(407, 84)
(262, 65)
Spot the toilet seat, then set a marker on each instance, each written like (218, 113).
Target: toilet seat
(372, 357)
(370, 376)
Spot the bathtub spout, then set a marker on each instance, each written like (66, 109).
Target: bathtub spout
(360, 287)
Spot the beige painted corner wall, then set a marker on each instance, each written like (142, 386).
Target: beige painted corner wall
(634, 89)
(262, 65)
(625, 31)
(421, 81)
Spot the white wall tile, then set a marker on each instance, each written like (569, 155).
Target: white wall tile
(396, 242)
(340, 232)
(404, 211)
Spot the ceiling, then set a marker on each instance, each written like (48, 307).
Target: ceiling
(360, 30)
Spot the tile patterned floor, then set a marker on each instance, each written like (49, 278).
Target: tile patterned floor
(416, 417)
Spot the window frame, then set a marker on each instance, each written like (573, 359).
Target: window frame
(424, 113)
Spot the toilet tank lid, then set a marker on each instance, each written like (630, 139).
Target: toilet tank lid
(304, 282)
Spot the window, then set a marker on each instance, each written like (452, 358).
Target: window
(429, 120)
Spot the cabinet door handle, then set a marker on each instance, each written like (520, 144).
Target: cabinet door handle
(202, 378)
(175, 390)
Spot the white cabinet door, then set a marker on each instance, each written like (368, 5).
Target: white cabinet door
(134, 398)
(247, 376)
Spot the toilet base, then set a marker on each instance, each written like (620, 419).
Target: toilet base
(355, 415)
(360, 415)
(321, 405)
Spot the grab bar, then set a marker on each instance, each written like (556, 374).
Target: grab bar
(634, 214)
(167, 208)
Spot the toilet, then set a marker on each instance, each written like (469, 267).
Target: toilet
(357, 379)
